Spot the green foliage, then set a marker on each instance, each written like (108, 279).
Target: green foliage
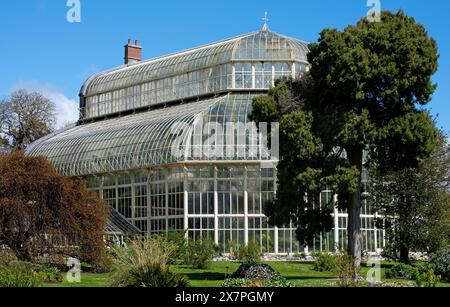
(19, 274)
(18, 278)
(27, 272)
(346, 270)
(296, 128)
(145, 262)
(409, 140)
(278, 282)
(422, 273)
(426, 279)
(59, 263)
(415, 204)
(389, 251)
(25, 266)
(324, 262)
(6, 256)
(250, 253)
(400, 270)
(264, 108)
(387, 65)
(440, 262)
(235, 283)
(362, 92)
(155, 276)
(422, 267)
(178, 238)
(233, 249)
(50, 275)
(200, 253)
(299, 255)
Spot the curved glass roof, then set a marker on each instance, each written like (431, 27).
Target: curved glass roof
(146, 139)
(255, 46)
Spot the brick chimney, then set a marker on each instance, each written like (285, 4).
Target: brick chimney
(133, 53)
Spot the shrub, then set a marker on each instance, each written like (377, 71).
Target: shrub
(422, 267)
(440, 263)
(104, 264)
(25, 266)
(250, 253)
(155, 276)
(389, 252)
(346, 270)
(278, 282)
(18, 278)
(6, 256)
(235, 283)
(233, 250)
(59, 263)
(300, 255)
(400, 270)
(144, 262)
(50, 275)
(426, 279)
(200, 253)
(256, 271)
(324, 262)
(178, 238)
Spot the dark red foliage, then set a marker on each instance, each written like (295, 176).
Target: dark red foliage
(44, 213)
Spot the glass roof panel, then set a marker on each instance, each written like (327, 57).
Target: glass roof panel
(262, 45)
(146, 139)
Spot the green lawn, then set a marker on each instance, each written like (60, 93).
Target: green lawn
(300, 273)
(87, 280)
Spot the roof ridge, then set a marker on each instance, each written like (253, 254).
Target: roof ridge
(170, 55)
(142, 65)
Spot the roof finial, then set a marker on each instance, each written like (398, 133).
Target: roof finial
(266, 21)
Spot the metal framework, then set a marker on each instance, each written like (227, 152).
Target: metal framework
(140, 143)
(222, 66)
(147, 139)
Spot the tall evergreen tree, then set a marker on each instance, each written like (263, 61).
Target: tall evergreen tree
(363, 93)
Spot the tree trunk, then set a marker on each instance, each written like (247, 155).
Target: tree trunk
(354, 211)
(354, 227)
(404, 254)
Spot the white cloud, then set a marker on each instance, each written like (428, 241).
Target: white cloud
(66, 108)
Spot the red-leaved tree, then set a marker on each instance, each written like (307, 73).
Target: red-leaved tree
(43, 213)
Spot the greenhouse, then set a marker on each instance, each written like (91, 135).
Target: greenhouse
(167, 143)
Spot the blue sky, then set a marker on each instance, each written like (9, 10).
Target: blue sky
(42, 51)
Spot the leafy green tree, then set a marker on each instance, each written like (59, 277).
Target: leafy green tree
(415, 204)
(364, 81)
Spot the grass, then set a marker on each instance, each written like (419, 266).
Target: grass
(300, 273)
(87, 281)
